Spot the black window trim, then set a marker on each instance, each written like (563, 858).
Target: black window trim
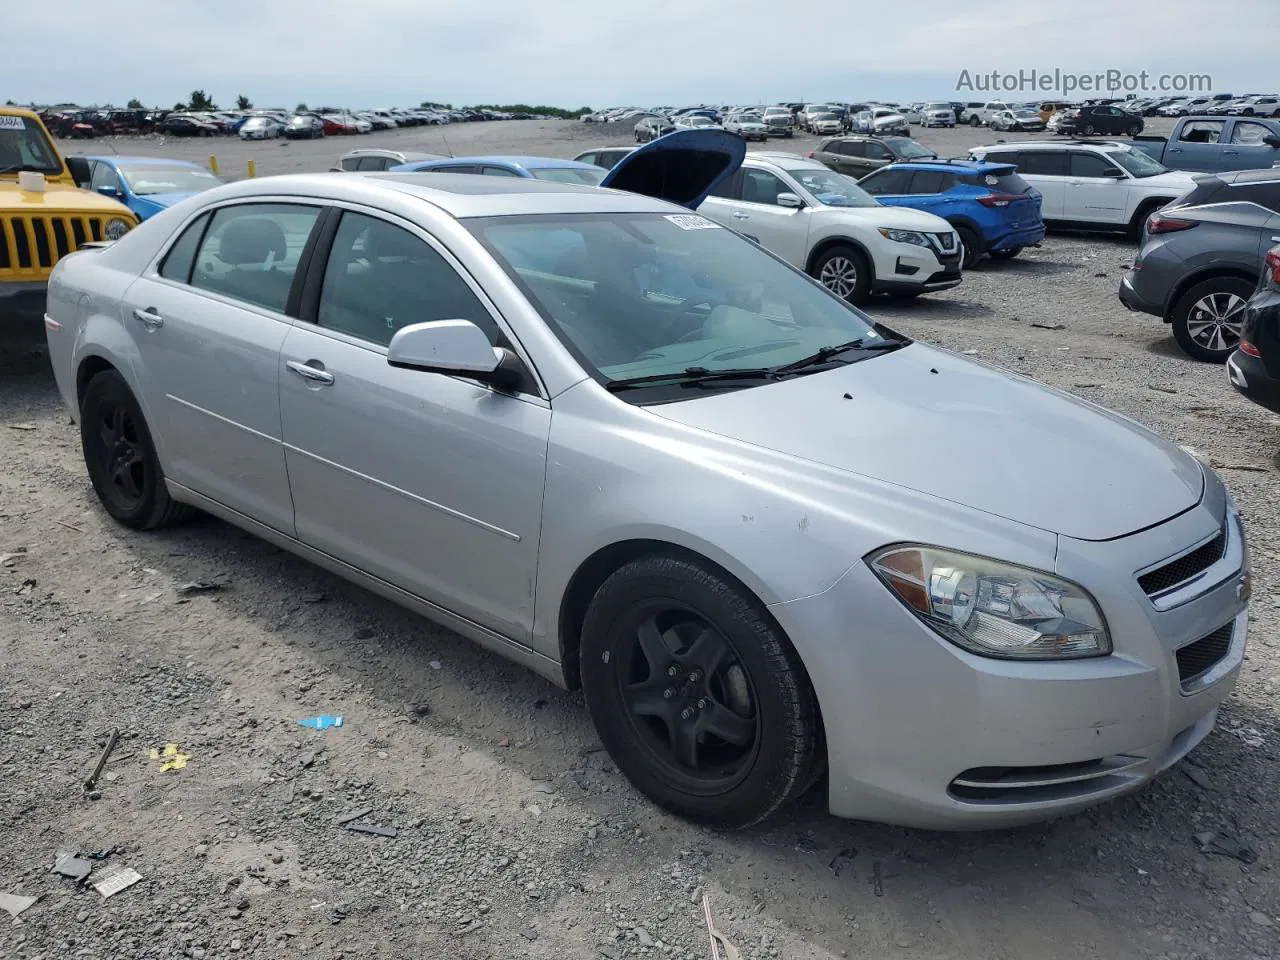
(207, 216)
(318, 261)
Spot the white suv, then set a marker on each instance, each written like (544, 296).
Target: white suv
(1095, 183)
(828, 226)
(979, 114)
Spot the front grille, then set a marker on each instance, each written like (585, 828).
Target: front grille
(1185, 567)
(944, 242)
(30, 246)
(1198, 658)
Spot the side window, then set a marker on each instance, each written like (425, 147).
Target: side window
(460, 168)
(1202, 131)
(761, 186)
(886, 182)
(372, 163)
(931, 182)
(591, 158)
(1265, 194)
(182, 255)
(878, 151)
(1043, 163)
(729, 188)
(104, 175)
(1089, 165)
(350, 163)
(381, 277)
(1249, 132)
(251, 252)
(498, 172)
(854, 148)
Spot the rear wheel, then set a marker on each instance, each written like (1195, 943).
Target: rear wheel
(697, 695)
(974, 121)
(970, 247)
(1134, 130)
(1006, 254)
(845, 272)
(121, 457)
(1088, 130)
(1207, 319)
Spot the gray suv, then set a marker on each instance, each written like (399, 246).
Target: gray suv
(1201, 257)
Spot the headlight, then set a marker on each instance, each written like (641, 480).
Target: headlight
(905, 236)
(994, 609)
(115, 228)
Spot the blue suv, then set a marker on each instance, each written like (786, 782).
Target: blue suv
(993, 209)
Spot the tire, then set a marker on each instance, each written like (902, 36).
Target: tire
(1006, 254)
(971, 247)
(1088, 130)
(1207, 318)
(1134, 130)
(974, 121)
(121, 457)
(758, 693)
(844, 271)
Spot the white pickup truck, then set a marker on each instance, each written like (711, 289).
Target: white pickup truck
(979, 114)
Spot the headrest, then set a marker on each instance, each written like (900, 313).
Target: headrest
(252, 240)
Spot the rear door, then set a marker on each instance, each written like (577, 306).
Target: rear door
(1245, 147)
(1046, 170)
(208, 325)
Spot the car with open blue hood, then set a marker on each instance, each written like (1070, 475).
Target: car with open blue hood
(147, 185)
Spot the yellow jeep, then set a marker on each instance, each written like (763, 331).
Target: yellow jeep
(44, 215)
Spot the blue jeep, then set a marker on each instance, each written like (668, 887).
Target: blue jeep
(993, 209)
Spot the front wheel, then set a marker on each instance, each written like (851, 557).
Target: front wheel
(1207, 319)
(121, 457)
(696, 694)
(974, 121)
(845, 272)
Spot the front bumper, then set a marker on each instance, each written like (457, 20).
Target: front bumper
(916, 269)
(921, 733)
(22, 300)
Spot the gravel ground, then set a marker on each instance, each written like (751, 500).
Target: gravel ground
(516, 835)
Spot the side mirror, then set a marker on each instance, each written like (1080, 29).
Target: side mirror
(78, 167)
(109, 191)
(1115, 174)
(790, 200)
(458, 347)
(1271, 140)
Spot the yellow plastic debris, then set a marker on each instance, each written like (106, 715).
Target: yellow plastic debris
(172, 758)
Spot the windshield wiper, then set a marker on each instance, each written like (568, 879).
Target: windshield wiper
(831, 354)
(691, 376)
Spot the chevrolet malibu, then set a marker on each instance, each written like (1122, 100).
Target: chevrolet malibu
(632, 450)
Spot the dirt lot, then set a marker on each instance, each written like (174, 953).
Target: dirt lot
(516, 835)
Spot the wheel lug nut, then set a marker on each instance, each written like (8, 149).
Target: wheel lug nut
(695, 676)
(686, 713)
(673, 671)
(668, 693)
(702, 704)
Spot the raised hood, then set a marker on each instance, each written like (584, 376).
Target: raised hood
(59, 198)
(680, 167)
(927, 420)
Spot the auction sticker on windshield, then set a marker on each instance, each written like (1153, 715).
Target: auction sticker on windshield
(691, 221)
(13, 123)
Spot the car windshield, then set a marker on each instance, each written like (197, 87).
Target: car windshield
(937, 106)
(23, 146)
(824, 116)
(776, 112)
(1138, 163)
(145, 179)
(831, 188)
(648, 294)
(1025, 112)
(590, 178)
(909, 150)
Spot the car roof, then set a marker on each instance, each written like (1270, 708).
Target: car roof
(1261, 175)
(409, 155)
(790, 161)
(457, 194)
(950, 166)
(117, 160)
(1109, 145)
(526, 163)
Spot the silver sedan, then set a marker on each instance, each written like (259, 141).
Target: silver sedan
(622, 445)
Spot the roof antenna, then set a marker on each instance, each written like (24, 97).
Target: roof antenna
(446, 145)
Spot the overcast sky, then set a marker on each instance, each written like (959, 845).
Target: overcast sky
(569, 53)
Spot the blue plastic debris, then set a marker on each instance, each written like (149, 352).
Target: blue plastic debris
(323, 722)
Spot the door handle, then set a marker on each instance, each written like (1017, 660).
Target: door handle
(308, 372)
(740, 216)
(150, 317)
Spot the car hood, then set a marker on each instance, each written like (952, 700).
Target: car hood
(58, 198)
(161, 201)
(933, 422)
(895, 218)
(681, 167)
(1178, 180)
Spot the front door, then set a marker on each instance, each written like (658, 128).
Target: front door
(1097, 190)
(753, 210)
(430, 482)
(208, 325)
(1246, 148)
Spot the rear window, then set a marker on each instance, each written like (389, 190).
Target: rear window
(998, 183)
